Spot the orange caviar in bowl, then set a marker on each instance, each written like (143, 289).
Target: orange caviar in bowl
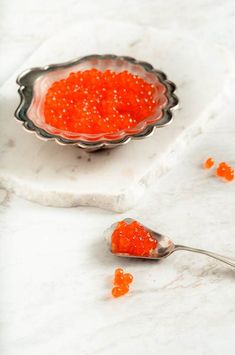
(133, 239)
(94, 101)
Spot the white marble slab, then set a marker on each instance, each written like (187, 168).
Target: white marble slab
(66, 176)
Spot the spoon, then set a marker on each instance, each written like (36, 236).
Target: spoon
(165, 246)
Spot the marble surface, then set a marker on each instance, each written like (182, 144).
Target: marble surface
(55, 273)
(60, 176)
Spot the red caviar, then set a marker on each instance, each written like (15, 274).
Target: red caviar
(221, 169)
(93, 101)
(208, 163)
(133, 239)
(118, 291)
(225, 171)
(121, 278)
(229, 176)
(121, 282)
(127, 278)
(118, 277)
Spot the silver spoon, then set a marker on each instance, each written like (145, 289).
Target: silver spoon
(165, 246)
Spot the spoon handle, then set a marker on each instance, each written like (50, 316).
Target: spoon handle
(205, 252)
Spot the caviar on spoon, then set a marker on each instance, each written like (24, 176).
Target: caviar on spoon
(129, 238)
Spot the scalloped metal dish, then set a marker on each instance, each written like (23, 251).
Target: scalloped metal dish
(27, 82)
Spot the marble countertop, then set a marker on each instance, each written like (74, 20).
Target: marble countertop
(55, 273)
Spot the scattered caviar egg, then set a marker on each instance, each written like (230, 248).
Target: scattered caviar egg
(133, 239)
(122, 278)
(118, 276)
(121, 282)
(94, 101)
(208, 163)
(127, 278)
(229, 175)
(225, 171)
(221, 168)
(118, 291)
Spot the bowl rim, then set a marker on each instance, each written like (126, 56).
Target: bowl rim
(28, 77)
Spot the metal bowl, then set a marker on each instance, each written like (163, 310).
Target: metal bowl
(34, 83)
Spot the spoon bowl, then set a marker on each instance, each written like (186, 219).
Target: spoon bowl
(164, 248)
